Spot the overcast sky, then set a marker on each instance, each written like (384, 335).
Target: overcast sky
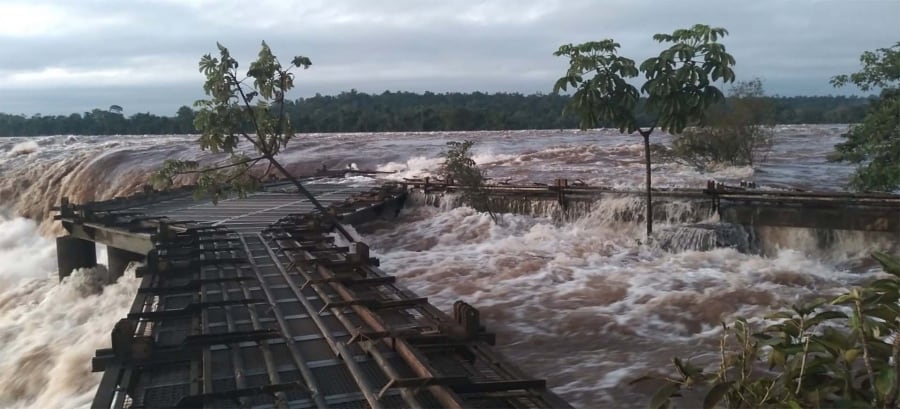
(63, 56)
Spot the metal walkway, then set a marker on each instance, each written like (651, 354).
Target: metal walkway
(252, 304)
(745, 205)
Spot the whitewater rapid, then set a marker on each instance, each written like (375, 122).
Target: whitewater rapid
(587, 305)
(50, 330)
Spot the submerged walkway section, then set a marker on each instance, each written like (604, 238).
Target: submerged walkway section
(746, 205)
(257, 305)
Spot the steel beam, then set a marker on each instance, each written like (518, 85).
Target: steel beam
(139, 243)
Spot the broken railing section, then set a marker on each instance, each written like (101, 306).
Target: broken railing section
(568, 200)
(443, 359)
(746, 204)
(385, 201)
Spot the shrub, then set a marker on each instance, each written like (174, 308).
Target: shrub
(841, 354)
(460, 168)
(738, 133)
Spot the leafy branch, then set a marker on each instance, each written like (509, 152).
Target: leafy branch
(813, 355)
(459, 167)
(874, 143)
(243, 112)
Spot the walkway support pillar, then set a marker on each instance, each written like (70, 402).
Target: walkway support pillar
(73, 253)
(118, 259)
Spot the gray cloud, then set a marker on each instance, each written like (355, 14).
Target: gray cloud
(59, 56)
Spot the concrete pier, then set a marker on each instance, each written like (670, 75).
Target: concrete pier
(73, 253)
(118, 260)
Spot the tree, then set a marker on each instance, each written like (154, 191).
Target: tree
(678, 85)
(406, 111)
(461, 169)
(244, 112)
(739, 132)
(874, 144)
(184, 120)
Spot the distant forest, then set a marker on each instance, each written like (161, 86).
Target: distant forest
(403, 111)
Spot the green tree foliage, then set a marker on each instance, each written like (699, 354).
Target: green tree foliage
(874, 143)
(412, 112)
(679, 85)
(244, 118)
(843, 354)
(405, 111)
(97, 122)
(738, 133)
(461, 169)
(819, 109)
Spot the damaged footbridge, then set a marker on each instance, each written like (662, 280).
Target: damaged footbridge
(252, 303)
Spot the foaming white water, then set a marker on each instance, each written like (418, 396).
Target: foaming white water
(585, 304)
(23, 252)
(703, 237)
(625, 211)
(23, 148)
(489, 157)
(85, 169)
(50, 330)
(418, 166)
(619, 166)
(832, 245)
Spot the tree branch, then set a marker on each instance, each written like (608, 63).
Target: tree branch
(247, 172)
(803, 359)
(261, 144)
(865, 348)
(268, 168)
(215, 168)
(891, 398)
(281, 103)
(312, 199)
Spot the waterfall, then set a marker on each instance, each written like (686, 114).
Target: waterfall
(682, 224)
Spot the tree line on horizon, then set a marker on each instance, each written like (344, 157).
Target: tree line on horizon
(406, 112)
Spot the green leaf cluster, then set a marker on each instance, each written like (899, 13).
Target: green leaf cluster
(678, 82)
(461, 169)
(679, 85)
(874, 144)
(599, 76)
(842, 354)
(243, 117)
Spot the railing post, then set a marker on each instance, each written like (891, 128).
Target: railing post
(561, 185)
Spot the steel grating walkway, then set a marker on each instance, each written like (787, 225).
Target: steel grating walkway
(250, 214)
(252, 304)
